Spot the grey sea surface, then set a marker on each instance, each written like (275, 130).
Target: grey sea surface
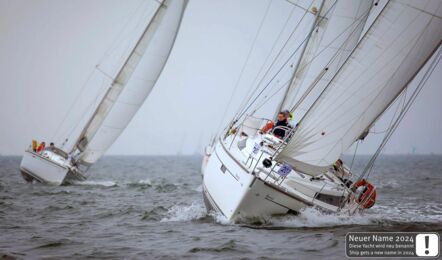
(152, 207)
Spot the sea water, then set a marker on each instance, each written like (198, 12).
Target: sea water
(152, 207)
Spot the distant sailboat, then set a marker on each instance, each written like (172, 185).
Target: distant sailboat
(129, 88)
(345, 84)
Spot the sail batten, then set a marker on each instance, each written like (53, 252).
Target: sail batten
(392, 51)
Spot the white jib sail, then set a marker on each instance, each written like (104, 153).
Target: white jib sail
(134, 82)
(396, 46)
(339, 28)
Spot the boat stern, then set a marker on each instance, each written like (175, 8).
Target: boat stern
(38, 167)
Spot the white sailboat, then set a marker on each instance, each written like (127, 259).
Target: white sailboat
(127, 92)
(345, 85)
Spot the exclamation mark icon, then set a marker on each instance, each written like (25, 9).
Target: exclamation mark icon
(427, 241)
(427, 244)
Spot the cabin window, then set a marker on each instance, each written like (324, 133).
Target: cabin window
(330, 199)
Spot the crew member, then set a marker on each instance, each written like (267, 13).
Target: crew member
(41, 147)
(34, 145)
(281, 123)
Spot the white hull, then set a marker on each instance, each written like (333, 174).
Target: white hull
(36, 166)
(239, 190)
(236, 193)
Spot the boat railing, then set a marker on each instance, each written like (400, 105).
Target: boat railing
(31, 150)
(357, 206)
(249, 126)
(287, 132)
(272, 175)
(269, 172)
(257, 123)
(278, 179)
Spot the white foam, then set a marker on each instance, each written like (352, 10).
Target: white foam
(390, 183)
(220, 218)
(97, 183)
(312, 217)
(407, 212)
(185, 213)
(145, 182)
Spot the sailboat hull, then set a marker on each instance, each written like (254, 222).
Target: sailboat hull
(229, 188)
(37, 167)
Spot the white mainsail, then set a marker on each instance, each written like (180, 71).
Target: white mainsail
(133, 83)
(396, 46)
(337, 32)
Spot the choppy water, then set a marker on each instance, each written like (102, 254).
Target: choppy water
(151, 207)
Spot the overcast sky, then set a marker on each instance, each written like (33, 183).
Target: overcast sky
(49, 47)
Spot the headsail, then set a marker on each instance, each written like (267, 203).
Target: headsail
(133, 83)
(396, 46)
(337, 32)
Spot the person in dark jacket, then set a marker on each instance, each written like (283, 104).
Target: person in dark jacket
(282, 123)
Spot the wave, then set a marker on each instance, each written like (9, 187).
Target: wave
(390, 183)
(198, 189)
(57, 192)
(316, 218)
(229, 246)
(313, 217)
(307, 218)
(166, 188)
(111, 183)
(154, 214)
(407, 212)
(96, 183)
(145, 183)
(194, 211)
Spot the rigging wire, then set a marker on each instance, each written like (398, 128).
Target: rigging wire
(118, 38)
(86, 110)
(317, 79)
(401, 103)
(285, 63)
(297, 5)
(342, 65)
(245, 102)
(406, 107)
(332, 111)
(354, 154)
(252, 47)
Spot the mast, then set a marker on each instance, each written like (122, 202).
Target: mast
(336, 40)
(133, 82)
(382, 64)
(81, 142)
(344, 63)
(306, 46)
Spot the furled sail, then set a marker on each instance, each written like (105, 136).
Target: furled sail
(337, 32)
(133, 83)
(395, 47)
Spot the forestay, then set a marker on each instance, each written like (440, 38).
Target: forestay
(337, 32)
(395, 47)
(133, 83)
